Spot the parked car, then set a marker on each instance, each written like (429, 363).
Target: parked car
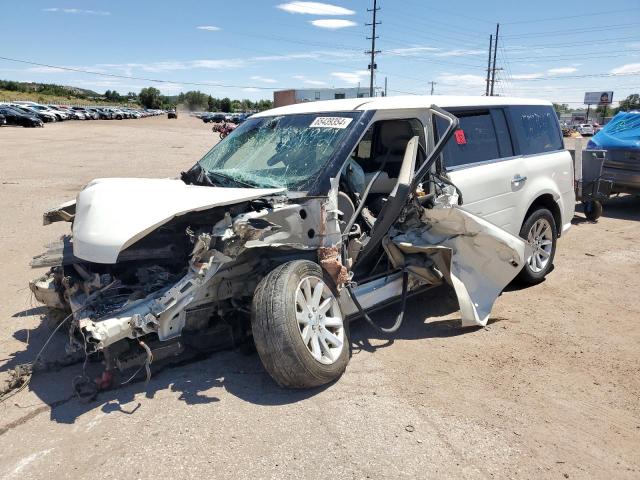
(116, 113)
(44, 116)
(213, 117)
(308, 215)
(585, 129)
(71, 113)
(3, 120)
(58, 116)
(172, 114)
(14, 116)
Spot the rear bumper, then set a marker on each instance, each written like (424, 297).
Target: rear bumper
(624, 180)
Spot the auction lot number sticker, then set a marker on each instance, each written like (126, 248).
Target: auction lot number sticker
(331, 122)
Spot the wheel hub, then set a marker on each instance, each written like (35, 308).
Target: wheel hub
(540, 238)
(319, 320)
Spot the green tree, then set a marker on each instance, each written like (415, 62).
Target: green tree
(632, 102)
(225, 105)
(211, 104)
(561, 107)
(150, 97)
(195, 100)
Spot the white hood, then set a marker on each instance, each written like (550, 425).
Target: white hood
(113, 213)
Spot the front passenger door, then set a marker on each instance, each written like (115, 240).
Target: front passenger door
(479, 159)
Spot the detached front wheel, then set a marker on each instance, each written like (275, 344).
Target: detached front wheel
(298, 327)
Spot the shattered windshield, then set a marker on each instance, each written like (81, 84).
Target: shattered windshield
(278, 151)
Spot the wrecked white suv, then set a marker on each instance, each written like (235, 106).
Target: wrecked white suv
(306, 216)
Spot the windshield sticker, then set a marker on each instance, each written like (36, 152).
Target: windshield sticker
(331, 122)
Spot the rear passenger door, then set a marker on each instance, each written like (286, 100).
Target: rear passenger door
(480, 160)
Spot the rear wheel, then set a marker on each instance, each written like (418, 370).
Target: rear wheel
(298, 327)
(592, 210)
(540, 232)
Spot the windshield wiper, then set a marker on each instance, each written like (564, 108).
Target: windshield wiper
(230, 179)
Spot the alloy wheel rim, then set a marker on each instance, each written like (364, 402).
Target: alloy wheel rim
(320, 321)
(540, 238)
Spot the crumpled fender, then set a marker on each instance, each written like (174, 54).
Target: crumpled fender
(474, 256)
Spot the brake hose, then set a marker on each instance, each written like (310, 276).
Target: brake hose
(399, 317)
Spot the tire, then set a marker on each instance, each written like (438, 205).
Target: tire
(278, 322)
(592, 210)
(540, 263)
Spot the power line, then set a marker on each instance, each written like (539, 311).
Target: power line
(572, 31)
(520, 22)
(130, 77)
(572, 44)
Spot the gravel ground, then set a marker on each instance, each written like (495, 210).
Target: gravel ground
(550, 389)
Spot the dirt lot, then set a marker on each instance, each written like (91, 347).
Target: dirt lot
(550, 389)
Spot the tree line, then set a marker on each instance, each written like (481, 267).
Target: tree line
(148, 97)
(197, 101)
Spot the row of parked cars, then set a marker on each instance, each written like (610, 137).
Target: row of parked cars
(32, 114)
(584, 129)
(219, 117)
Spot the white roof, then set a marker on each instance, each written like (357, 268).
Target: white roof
(400, 102)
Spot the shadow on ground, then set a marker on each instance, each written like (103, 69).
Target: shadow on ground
(237, 372)
(624, 207)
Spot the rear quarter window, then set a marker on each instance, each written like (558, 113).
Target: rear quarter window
(536, 129)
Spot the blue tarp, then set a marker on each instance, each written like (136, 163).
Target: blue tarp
(621, 133)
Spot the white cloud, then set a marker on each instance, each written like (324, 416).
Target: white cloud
(561, 70)
(526, 76)
(258, 78)
(352, 78)
(314, 8)
(463, 82)
(76, 11)
(411, 51)
(460, 53)
(208, 28)
(333, 24)
(308, 81)
(628, 68)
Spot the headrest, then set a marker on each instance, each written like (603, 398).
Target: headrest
(395, 134)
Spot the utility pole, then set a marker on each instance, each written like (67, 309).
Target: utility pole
(433, 84)
(373, 51)
(495, 51)
(486, 92)
(385, 85)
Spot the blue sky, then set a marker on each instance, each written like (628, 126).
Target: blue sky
(549, 49)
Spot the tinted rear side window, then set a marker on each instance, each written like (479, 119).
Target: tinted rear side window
(536, 129)
(484, 136)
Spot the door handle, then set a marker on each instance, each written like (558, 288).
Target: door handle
(518, 179)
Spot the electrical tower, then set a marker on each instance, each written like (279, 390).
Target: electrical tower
(373, 52)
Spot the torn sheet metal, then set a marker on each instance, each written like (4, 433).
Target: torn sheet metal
(474, 256)
(61, 213)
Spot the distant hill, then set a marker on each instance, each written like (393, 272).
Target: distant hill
(53, 93)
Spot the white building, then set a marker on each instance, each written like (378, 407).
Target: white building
(289, 97)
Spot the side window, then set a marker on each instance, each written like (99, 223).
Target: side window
(536, 129)
(478, 141)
